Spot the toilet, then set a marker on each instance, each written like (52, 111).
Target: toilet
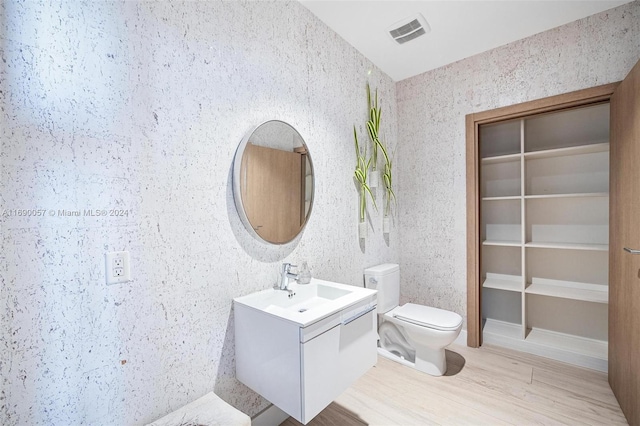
(411, 334)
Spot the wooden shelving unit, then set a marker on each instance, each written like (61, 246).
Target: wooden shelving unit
(544, 229)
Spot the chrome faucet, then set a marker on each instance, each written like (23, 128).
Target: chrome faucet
(287, 275)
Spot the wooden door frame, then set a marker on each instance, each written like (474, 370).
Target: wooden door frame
(473, 121)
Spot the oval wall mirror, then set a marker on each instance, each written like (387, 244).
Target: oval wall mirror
(273, 182)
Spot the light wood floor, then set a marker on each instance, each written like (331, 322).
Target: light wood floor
(486, 386)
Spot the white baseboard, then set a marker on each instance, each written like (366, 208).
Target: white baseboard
(580, 351)
(270, 416)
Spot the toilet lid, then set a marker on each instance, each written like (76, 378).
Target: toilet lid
(427, 316)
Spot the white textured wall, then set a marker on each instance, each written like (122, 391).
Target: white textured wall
(431, 134)
(140, 106)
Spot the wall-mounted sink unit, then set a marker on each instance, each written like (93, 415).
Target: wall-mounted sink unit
(300, 353)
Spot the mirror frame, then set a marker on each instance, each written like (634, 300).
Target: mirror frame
(237, 193)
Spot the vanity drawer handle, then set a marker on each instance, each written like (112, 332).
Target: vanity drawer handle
(358, 315)
(632, 251)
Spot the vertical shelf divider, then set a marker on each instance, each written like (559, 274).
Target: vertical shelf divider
(523, 231)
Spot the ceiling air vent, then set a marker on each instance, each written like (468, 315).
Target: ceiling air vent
(409, 29)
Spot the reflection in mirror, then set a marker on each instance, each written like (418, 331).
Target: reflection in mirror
(273, 182)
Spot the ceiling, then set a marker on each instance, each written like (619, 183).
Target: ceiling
(459, 29)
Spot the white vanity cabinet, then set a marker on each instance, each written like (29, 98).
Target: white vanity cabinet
(300, 366)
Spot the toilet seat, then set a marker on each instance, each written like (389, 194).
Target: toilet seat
(426, 316)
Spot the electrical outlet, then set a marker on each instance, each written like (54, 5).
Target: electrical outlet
(117, 267)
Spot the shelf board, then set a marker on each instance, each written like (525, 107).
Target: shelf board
(572, 150)
(501, 159)
(569, 290)
(502, 243)
(568, 246)
(510, 197)
(573, 195)
(567, 342)
(549, 153)
(503, 282)
(500, 329)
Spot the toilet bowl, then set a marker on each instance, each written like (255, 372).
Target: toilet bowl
(412, 334)
(428, 330)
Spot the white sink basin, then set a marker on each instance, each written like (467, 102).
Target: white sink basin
(309, 298)
(310, 303)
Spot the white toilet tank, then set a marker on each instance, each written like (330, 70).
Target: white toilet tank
(386, 279)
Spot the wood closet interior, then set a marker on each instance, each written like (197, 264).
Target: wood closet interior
(538, 227)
